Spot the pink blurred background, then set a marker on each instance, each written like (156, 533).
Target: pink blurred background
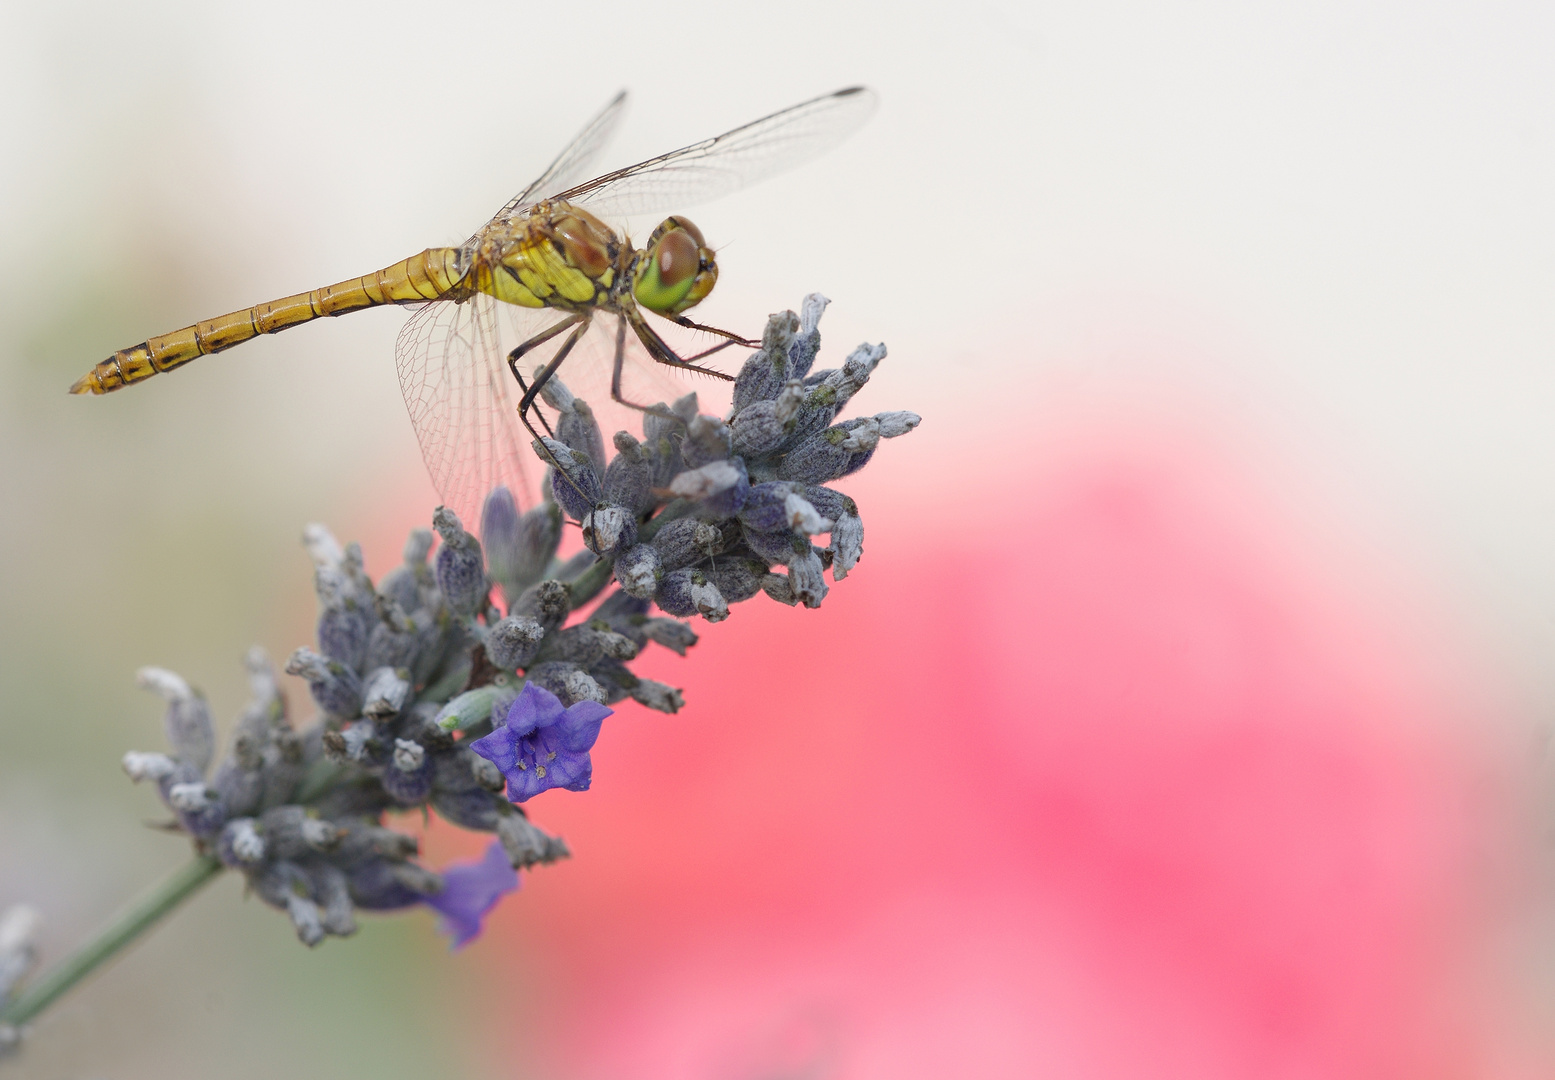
(1187, 713)
(1111, 780)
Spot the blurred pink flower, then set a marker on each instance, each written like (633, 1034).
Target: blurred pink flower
(1122, 788)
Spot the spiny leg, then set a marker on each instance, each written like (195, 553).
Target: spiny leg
(615, 377)
(541, 378)
(539, 339)
(734, 339)
(660, 350)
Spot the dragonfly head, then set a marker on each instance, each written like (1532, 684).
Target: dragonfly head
(676, 269)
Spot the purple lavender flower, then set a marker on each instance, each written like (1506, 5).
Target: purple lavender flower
(543, 745)
(470, 890)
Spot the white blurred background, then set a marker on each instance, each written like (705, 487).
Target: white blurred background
(1331, 226)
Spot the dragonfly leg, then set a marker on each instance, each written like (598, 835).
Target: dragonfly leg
(734, 339)
(660, 350)
(615, 378)
(542, 377)
(539, 339)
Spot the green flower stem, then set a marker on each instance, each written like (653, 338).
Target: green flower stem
(588, 584)
(42, 992)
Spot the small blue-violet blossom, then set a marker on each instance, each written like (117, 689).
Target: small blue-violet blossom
(470, 890)
(543, 745)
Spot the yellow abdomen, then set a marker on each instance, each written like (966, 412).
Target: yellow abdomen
(427, 276)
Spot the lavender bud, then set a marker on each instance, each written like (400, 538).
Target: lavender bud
(188, 721)
(334, 897)
(358, 742)
(240, 844)
(499, 528)
(847, 543)
(513, 642)
(343, 624)
(404, 583)
(801, 354)
(804, 577)
(766, 369)
(519, 548)
(461, 571)
(727, 502)
(470, 808)
(353, 565)
(775, 547)
(393, 642)
(578, 429)
(199, 809)
(408, 780)
(856, 369)
(638, 569)
(323, 548)
(418, 879)
(707, 440)
(616, 646)
(707, 481)
(737, 579)
(757, 429)
(335, 687)
(142, 766)
(628, 478)
(894, 424)
(688, 592)
(568, 682)
(290, 832)
(525, 845)
(374, 887)
(766, 507)
(486, 774)
(383, 693)
(580, 496)
(671, 633)
(608, 530)
(803, 517)
(684, 542)
(284, 885)
(790, 401)
(546, 603)
(832, 453)
(408, 756)
(686, 408)
(779, 588)
(305, 917)
(662, 424)
(555, 392)
(656, 695)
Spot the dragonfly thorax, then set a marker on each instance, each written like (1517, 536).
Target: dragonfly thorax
(557, 256)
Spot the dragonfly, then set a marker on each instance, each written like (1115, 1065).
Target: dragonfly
(546, 270)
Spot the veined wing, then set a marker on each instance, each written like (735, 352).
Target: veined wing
(570, 166)
(463, 402)
(727, 162)
(454, 376)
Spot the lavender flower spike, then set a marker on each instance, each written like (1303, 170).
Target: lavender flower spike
(543, 745)
(470, 890)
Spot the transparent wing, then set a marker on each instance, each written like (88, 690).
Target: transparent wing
(588, 370)
(720, 165)
(463, 402)
(454, 376)
(570, 166)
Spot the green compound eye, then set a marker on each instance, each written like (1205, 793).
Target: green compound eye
(676, 271)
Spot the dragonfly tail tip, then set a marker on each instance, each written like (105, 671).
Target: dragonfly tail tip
(87, 384)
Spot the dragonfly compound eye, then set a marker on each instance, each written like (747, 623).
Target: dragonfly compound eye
(677, 270)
